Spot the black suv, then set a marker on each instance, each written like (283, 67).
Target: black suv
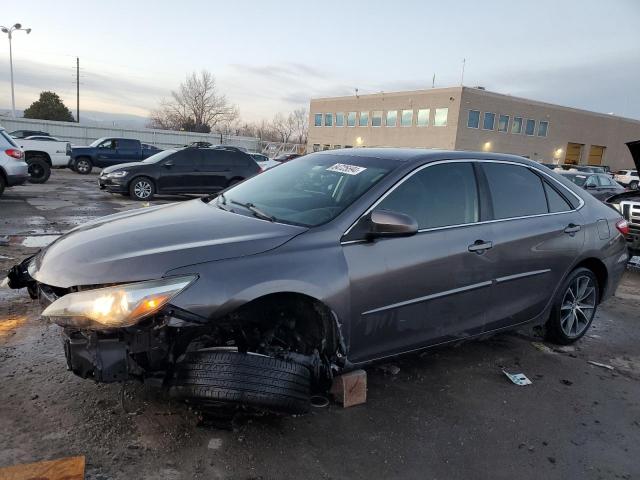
(181, 170)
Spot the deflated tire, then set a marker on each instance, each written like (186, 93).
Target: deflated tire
(212, 377)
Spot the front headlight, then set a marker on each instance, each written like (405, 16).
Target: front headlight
(118, 174)
(115, 307)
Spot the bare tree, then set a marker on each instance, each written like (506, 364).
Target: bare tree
(196, 106)
(300, 120)
(283, 126)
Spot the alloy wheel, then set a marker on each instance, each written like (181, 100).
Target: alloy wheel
(578, 306)
(142, 189)
(36, 171)
(82, 166)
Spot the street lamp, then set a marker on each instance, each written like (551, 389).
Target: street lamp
(9, 31)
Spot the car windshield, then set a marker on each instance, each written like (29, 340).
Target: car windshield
(579, 180)
(95, 143)
(310, 191)
(159, 156)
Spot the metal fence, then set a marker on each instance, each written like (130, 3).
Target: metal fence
(83, 134)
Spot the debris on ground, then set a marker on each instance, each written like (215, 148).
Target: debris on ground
(601, 365)
(214, 444)
(566, 382)
(70, 468)
(542, 347)
(390, 369)
(319, 401)
(519, 379)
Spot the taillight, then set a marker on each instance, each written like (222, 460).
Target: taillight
(15, 153)
(623, 226)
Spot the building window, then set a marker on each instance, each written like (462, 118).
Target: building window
(336, 147)
(348, 146)
(326, 147)
(316, 147)
(503, 123)
(489, 121)
(376, 119)
(543, 126)
(392, 118)
(531, 127)
(406, 118)
(340, 119)
(474, 119)
(440, 118)
(351, 119)
(516, 126)
(364, 119)
(328, 119)
(317, 122)
(423, 117)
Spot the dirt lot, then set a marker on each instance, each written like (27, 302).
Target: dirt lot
(450, 414)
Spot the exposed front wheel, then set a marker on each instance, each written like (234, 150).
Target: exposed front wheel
(634, 185)
(83, 166)
(574, 307)
(142, 189)
(216, 378)
(39, 170)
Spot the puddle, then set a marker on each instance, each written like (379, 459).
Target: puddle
(39, 241)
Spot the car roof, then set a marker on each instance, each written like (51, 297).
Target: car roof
(422, 155)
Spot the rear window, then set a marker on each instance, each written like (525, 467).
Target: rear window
(515, 191)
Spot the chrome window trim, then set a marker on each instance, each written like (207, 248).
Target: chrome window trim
(469, 160)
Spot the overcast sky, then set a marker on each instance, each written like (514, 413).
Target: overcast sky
(274, 56)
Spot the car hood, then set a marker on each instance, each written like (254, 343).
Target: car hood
(146, 243)
(123, 166)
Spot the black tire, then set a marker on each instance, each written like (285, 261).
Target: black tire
(231, 378)
(142, 188)
(634, 185)
(39, 170)
(83, 166)
(564, 313)
(3, 184)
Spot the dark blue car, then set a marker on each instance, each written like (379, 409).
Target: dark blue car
(105, 152)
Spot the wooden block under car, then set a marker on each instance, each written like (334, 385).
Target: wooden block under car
(350, 388)
(70, 468)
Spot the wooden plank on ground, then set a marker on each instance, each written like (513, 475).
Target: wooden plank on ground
(70, 468)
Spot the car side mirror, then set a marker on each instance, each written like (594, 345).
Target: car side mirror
(168, 164)
(590, 186)
(386, 223)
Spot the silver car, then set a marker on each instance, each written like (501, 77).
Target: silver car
(13, 169)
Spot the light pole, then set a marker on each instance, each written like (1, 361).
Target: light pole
(9, 31)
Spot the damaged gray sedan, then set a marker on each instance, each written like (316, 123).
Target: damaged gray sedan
(260, 295)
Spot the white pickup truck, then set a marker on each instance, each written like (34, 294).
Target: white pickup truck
(42, 153)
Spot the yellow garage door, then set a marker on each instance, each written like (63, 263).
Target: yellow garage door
(596, 152)
(574, 152)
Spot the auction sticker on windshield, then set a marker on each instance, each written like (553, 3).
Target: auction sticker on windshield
(344, 168)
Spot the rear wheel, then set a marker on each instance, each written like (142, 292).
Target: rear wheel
(83, 166)
(142, 188)
(574, 307)
(634, 185)
(214, 378)
(39, 170)
(3, 184)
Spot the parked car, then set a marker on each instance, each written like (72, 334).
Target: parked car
(27, 133)
(264, 161)
(42, 153)
(325, 264)
(184, 170)
(13, 169)
(105, 152)
(628, 178)
(600, 185)
(628, 203)
(285, 157)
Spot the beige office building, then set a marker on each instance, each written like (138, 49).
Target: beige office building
(463, 118)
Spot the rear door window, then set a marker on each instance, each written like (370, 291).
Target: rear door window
(515, 191)
(437, 196)
(557, 203)
(213, 160)
(185, 159)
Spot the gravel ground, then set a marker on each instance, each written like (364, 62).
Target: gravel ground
(448, 414)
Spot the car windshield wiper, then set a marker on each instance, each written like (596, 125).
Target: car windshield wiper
(255, 210)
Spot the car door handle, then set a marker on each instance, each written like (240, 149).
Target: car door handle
(479, 246)
(572, 228)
